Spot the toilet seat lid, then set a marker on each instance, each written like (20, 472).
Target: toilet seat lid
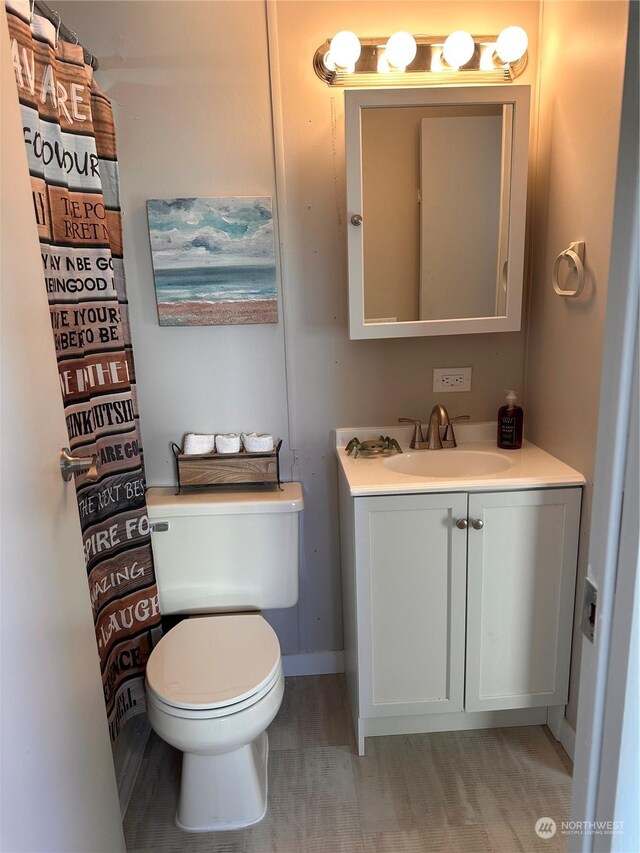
(213, 661)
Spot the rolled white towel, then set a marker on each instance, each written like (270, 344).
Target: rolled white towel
(195, 442)
(228, 443)
(254, 443)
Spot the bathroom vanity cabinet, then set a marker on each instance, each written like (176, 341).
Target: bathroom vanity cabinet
(458, 606)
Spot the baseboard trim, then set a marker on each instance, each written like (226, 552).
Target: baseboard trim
(561, 729)
(452, 722)
(135, 737)
(313, 663)
(567, 738)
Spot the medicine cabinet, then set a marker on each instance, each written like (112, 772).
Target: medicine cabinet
(436, 201)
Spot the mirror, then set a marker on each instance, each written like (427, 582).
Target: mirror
(436, 194)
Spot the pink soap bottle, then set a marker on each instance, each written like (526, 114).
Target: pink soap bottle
(510, 420)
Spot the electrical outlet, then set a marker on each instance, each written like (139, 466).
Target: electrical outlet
(451, 379)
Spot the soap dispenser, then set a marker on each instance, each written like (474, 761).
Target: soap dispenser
(510, 419)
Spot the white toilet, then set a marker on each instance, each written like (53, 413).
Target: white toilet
(215, 682)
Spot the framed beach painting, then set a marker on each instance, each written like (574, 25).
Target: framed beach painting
(213, 260)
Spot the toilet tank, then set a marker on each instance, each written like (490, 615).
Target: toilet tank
(227, 550)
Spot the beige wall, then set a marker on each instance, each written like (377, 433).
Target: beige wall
(582, 65)
(334, 381)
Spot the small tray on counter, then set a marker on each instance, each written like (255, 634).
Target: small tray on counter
(206, 470)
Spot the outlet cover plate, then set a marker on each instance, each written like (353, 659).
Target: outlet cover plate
(447, 379)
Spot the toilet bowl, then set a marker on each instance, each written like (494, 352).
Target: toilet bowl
(214, 684)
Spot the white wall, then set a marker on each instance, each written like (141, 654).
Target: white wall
(190, 87)
(58, 785)
(189, 83)
(582, 66)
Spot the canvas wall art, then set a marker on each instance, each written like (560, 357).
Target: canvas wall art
(213, 260)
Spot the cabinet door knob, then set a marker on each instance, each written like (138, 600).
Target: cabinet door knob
(477, 524)
(462, 523)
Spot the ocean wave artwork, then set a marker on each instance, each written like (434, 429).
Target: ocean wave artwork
(213, 260)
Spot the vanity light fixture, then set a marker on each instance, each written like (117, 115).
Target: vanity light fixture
(406, 60)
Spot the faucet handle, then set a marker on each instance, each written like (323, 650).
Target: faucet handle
(417, 430)
(449, 434)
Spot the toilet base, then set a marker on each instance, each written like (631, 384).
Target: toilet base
(222, 792)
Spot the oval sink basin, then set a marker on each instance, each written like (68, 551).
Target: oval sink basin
(443, 464)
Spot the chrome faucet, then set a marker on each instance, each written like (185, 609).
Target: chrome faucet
(438, 421)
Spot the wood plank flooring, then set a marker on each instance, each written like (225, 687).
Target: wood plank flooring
(464, 792)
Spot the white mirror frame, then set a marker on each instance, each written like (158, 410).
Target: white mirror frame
(518, 97)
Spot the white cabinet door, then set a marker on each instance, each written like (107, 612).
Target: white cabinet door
(411, 562)
(521, 579)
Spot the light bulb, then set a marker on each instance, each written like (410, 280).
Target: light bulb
(458, 49)
(344, 50)
(401, 50)
(512, 44)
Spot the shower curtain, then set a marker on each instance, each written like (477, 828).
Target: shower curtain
(69, 135)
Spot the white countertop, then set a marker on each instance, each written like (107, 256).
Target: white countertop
(530, 467)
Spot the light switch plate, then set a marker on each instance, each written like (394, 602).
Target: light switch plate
(446, 379)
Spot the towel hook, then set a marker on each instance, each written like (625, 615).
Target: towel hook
(574, 256)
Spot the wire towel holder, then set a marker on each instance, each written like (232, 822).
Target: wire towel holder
(574, 256)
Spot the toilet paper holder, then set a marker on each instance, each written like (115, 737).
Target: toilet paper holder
(574, 256)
